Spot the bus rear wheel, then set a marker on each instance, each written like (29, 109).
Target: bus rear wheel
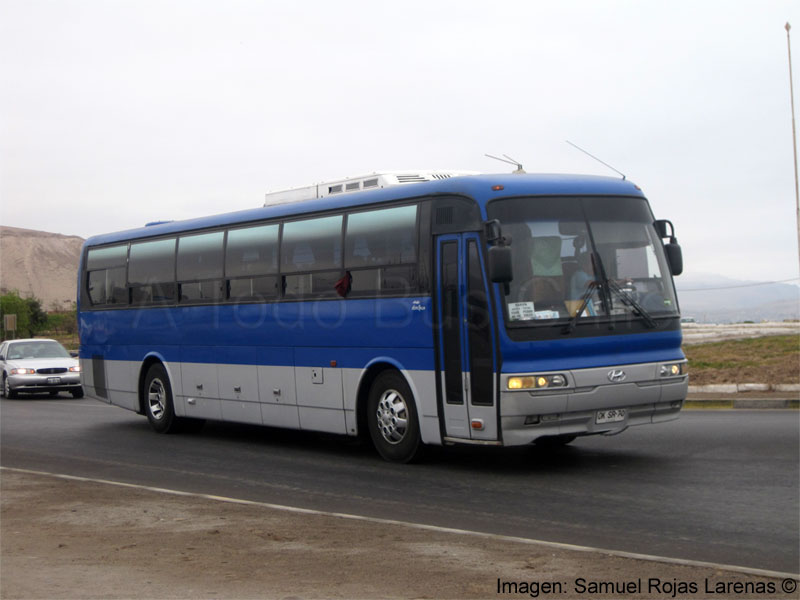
(158, 405)
(392, 418)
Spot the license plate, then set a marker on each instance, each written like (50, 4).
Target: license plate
(613, 415)
(53, 380)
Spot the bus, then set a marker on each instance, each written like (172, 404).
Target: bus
(494, 310)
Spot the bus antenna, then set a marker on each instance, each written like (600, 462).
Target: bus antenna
(597, 159)
(510, 161)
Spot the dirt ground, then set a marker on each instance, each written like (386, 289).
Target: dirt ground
(76, 539)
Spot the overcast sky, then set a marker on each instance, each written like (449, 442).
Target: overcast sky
(115, 113)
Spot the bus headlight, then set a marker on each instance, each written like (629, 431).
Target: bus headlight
(537, 382)
(673, 369)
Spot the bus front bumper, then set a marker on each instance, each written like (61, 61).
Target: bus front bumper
(592, 405)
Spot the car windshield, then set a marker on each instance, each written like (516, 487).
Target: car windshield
(22, 350)
(584, 259)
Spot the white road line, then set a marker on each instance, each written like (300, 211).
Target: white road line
(422, 526)
(81, 405)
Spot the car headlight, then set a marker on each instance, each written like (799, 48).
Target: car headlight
(537, 382)
(75, 369)
(673, 369)
(22, 371)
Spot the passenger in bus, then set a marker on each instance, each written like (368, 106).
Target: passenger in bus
(548, 273)
(537, 264)
(581, 277)
(579, 282)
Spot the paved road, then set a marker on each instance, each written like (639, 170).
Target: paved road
(718, 486)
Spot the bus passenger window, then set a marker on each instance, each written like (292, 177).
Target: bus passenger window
(312, 245)
(151, 271)
(252, 251)
(253, 288)
(106, 278)
(97, 287)
(107, 286)
(202, 291)
(157, 293)
(200, 256)
(381, 237)
(399, 280)
(381, 251)
(297, 286)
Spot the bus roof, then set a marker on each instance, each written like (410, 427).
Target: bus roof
(478, 187)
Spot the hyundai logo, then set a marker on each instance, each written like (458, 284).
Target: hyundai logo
(616, 375)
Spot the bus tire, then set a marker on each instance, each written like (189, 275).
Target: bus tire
(392, 418)
(158, 405)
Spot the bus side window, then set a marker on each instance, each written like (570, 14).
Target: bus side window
(151, 271)
(251, 263)
(107, 286)
(311, 257)
(253, 288)
(199, 267)
(105, 282)
(381, 251)
(97, 287)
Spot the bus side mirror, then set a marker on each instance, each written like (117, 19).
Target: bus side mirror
(500, 270)
(666, 229)
(674, 257)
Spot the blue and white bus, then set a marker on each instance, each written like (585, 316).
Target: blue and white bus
(478, 309)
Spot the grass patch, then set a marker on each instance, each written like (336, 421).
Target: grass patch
(771, 359)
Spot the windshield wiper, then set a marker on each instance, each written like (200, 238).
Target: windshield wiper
(628, 301)
(581, 307)
(605, 297)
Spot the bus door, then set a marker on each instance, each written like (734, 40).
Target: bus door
(466, 352)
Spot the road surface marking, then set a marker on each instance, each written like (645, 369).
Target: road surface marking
(422, 526)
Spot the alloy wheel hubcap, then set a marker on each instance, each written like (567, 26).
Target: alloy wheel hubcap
(156, 399)
(392, 416)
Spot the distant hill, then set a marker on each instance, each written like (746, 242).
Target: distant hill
(40, 264)
(713, 298)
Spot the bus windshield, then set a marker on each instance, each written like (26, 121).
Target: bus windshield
(584, 260)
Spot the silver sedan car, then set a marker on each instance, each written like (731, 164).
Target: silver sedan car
(38, 366)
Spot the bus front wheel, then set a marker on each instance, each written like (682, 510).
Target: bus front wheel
(392, 418)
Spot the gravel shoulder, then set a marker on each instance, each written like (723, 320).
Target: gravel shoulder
(77, 539)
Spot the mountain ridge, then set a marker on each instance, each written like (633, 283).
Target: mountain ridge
(40, 264)
(713, 298)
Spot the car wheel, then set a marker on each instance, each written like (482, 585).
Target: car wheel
(7, 391)
(392, 418)
(158, 400)
(77, 393)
